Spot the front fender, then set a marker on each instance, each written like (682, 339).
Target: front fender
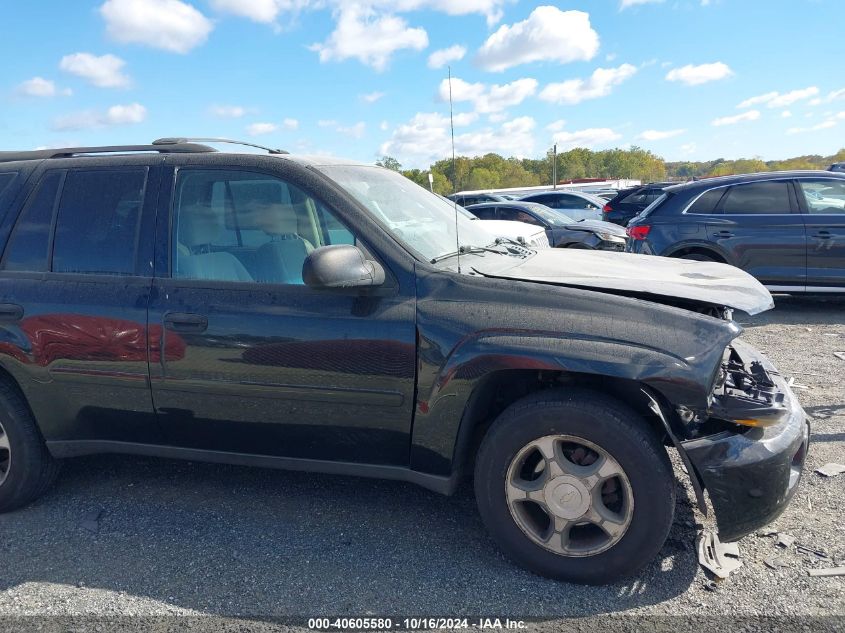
(464, 339)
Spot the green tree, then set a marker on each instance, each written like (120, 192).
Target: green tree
(390, 163)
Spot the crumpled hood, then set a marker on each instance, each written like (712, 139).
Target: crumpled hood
(598, 226)
(708, 282)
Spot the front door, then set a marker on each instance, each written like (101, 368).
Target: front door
(823, 201)
(759, 226)
(253, 361)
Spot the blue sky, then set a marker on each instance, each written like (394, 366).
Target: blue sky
(687, 79)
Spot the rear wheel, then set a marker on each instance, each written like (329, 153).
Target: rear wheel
(26, 468)
(699, 257)
(574, 486)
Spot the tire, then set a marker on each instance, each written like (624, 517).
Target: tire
(699, 257)
(604, 424)
(27, 469)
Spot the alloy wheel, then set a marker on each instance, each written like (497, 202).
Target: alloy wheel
(569, 495)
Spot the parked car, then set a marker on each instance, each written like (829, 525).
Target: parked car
(837, 167)
(523, 233)
(561, 230)
(577, 205)
(628, 203)
(318, 315)
(466, 199)
(787, 229)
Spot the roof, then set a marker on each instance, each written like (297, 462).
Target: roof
(723, 181)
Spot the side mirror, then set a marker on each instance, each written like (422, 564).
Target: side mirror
(340, 266)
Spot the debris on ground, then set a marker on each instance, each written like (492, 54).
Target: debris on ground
(806, 549)
(830, 571)
(721, 559)
(774, 563)
(91, 522)
(831, 470)
(839, 355)
(785, 540)
(767, 532)
(791, 383)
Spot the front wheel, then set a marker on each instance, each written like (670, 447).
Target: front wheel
(575, 486)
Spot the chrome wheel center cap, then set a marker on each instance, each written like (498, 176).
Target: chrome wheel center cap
(567, 497)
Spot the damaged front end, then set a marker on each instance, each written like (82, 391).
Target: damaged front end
(749, 451)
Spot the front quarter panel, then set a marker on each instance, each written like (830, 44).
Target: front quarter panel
(471, 327)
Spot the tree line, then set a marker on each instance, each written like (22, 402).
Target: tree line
(493, 171)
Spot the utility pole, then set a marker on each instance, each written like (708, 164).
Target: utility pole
(431, 182)
(554, 166)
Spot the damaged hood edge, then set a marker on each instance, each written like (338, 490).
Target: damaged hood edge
(707, 282)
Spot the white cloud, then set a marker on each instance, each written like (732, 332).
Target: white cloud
(836, 95)
(264, 11)
(372, 97)
(778, 100)
(384, 126)
(751, 115)
(585, 138)
(548, 34)
(659, 135)
(426, 138)
(632, 3)
(600, 84)
(290, 124)
(439, 58)
(258, 129)
(492, 9)
(356, 131)
(170, 25)
(824, 125)
(697, 75)
(40, 87)
(104, 71)
(361, 34)
(688, 148)
(498, 117)
(227, 111)
(785, 114)
(116, 115)
(758, 100)
(556, 126)
(326, 123)
(489, 99)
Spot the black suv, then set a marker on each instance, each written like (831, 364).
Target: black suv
(629, 203)
(787, 228)
(840, 167)
(280, 311)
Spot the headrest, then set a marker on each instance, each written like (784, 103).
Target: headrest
(199, 224)
(264, 206)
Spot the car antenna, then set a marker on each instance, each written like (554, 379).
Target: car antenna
(454, 172)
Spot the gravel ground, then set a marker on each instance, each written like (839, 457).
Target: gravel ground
(148, 537)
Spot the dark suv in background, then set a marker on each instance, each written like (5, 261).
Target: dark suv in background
(630, 202)
(466, 199)
(787, 229)
(840, 167)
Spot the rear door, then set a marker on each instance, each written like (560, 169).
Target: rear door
(823, 203)
(74, 285)
(759, 227)
(250, 359)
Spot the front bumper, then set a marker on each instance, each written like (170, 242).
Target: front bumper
(751, 476)
(616, 244)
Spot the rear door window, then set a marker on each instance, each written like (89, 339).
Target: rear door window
(707, 202)
(97, 222)
(29, 241)
(757, 198)
(484, 213)
(824, 196)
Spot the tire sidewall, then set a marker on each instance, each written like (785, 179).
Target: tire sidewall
(26, 455)
(648, 472)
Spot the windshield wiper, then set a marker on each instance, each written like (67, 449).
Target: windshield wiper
(466, 250)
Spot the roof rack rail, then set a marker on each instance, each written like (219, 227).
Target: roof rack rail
(69, 152)
(173, 141)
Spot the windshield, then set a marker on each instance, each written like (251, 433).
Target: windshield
(552, 216)
(421, 221)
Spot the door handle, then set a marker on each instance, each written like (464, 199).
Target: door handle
(724, 234)
(185, 322)
(10, 312)
(823, 235)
